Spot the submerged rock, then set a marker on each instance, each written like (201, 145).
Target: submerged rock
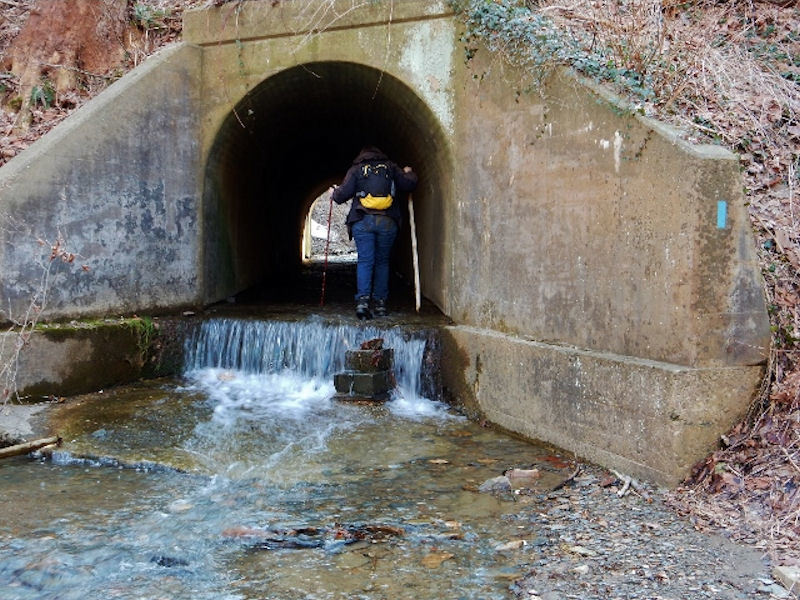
(169, 561)
(512, 545)
(495, 484)
(314, 537)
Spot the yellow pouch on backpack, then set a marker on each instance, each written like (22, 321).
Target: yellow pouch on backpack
(376, 202)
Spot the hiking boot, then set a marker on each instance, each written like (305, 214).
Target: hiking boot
(362, 308)
(379, 307)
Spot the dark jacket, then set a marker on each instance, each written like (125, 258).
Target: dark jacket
(404, 182)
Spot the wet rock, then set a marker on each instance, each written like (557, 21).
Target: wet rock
(169, 561)
(374, 344)
(495, 484)
(369, 361)
(7, 440)
(512, 545)
(352, 384)
(435, 559)
(332, 539)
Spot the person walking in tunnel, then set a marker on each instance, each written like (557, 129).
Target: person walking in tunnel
(373, 221)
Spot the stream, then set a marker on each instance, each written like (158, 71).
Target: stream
(245, 479)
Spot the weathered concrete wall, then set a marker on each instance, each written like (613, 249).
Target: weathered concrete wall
(581, 225)
(119, 179)
(648, 419)
(62, 359)
(584, 224)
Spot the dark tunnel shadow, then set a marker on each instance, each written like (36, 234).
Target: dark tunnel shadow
(282, 145)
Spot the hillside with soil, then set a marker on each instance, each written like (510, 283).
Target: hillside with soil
(725, 72)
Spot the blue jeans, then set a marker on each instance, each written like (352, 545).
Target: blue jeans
(374, 236)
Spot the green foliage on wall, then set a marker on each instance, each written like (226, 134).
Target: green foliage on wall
(533, 40)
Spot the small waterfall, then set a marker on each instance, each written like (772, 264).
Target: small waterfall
(312, 348)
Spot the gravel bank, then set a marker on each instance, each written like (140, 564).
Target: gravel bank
(586, 542)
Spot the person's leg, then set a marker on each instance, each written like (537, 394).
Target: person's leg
(385, 234)
(364, 237)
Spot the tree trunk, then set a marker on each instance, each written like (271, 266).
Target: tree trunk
(62, 41)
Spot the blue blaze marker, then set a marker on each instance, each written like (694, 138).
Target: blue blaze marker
(722, 214)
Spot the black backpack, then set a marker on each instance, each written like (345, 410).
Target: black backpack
(376, 188)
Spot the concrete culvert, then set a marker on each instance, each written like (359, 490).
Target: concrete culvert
(284, 143)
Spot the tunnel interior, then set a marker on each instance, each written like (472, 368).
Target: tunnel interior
(284, 143)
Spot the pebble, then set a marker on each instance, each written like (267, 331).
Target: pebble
(582, 570)
(580, 550)
(513, 545)
(789, 577)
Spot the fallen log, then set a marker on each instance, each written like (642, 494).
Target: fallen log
(28, 447)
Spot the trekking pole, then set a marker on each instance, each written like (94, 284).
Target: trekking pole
(414, 252)
(327, 246)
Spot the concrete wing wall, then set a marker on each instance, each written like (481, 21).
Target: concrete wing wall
(119, 180)
(603, 276)
(581, 223)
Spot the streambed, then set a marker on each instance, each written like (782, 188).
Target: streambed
(167, 488)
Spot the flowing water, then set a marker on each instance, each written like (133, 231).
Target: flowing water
(244, 479)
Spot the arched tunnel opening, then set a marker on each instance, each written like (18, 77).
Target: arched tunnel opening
(278, 150)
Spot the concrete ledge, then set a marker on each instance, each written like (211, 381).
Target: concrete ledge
(81, 357)
(65, 360)
(649, 419)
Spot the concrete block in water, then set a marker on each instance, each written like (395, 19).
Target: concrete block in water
(373, 384)
(369, 361)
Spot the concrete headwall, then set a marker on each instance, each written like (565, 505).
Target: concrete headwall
(600, 271)
(119, 180)
(283, 117)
